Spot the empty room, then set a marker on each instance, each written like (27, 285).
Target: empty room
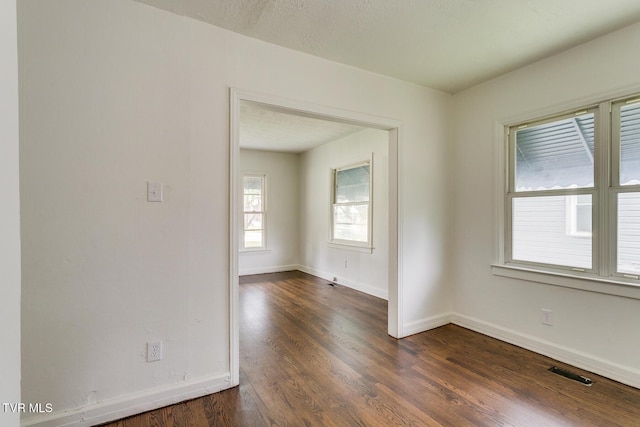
(268, 212)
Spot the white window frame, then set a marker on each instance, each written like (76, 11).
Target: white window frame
(511, 194)
(263, 212)
(603, 277)
(352, 243)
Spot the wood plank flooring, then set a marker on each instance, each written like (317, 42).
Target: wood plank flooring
(315, 355)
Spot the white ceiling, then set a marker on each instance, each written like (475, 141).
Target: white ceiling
(265, 128)
(448, 45)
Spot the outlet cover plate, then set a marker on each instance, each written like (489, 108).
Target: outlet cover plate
(154, 351)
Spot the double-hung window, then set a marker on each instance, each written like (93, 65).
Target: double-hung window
(351, 205)
(625, 188)
(254, 212)
(573, 192)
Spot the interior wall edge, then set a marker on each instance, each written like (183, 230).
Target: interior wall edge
(426, 324)
(265, 270)
(369, 290)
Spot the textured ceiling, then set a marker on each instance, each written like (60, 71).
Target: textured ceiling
(448, 45)
(265, 128)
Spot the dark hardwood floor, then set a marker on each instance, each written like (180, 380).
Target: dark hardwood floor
(315, 355)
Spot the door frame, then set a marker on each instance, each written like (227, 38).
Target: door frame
(394, 128)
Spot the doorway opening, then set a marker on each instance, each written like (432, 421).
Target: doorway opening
(341, 121)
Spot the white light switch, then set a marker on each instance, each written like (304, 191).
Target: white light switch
(154, 191)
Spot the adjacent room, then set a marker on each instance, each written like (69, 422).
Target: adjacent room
(294, 170)
(473, 190)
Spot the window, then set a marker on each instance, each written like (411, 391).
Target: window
(253, 235)
(573, 192)
(626, 185)
(351, 205)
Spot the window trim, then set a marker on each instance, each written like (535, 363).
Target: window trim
(623, 284)
(511, 193)
(353, 244)
(263, 247)
(617, 188)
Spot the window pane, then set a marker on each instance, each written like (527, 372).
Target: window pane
(555, 155)
(252, 202)
(352, 185)
(351, 222)
(629, 233)
(253, 221)
(579, 214)
(253, 239)
(253, 206)
(541, 232)
(253, 185)
(630, 144)
(583, 218)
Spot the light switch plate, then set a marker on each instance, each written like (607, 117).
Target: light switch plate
(154, 191)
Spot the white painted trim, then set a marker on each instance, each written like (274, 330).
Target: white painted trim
(264, 212)
(317, 111)
(350, 247)
(585, 282)
(234, 281)
(354, 245)
(121, 407)
(261, 251)
(427, 324)
(395, 308)
(369, 290)
(499, 190)
(605, 368)
(275, 269)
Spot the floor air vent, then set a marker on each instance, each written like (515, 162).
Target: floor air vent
(571, 375)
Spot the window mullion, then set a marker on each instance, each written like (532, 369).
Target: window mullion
(508, 230)
(603, 228)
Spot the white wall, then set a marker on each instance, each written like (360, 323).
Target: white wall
(591, 330)
(9, 215)
(365, 271)
(282, 202)
(117, 93)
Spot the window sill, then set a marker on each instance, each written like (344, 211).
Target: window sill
(584, 283)
(256, 251)
(349, 247)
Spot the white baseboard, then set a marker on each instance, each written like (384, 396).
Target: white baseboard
(276, 269)
(426, 324)
(605, 368)
(115, 409)
(370, 290)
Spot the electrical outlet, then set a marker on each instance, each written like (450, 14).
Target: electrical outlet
(345, 263)
(547, 317)
(154, 351)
